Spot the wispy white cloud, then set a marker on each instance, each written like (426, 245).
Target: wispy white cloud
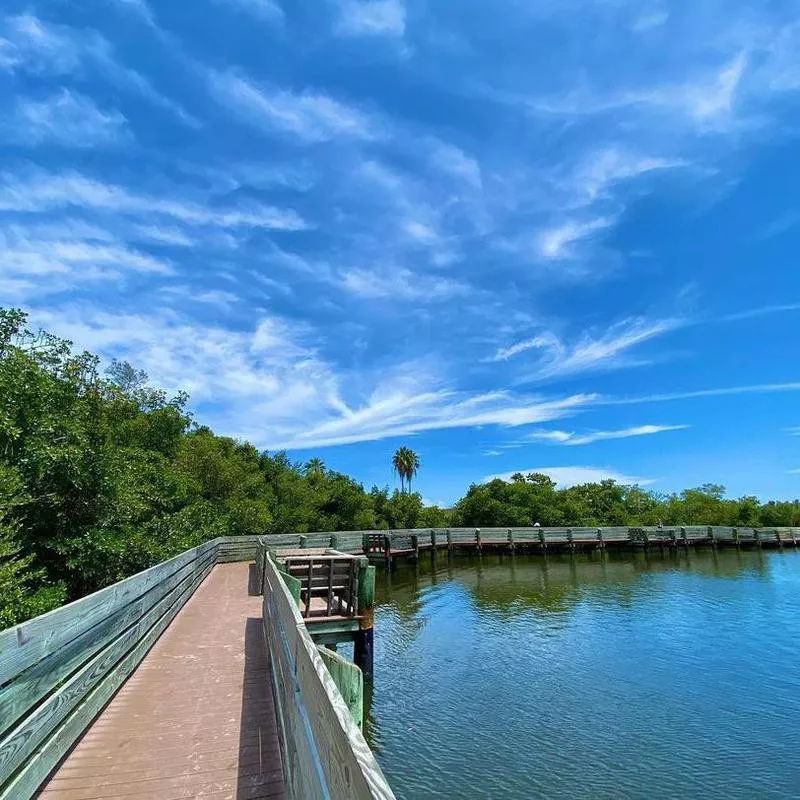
(162, 235)
(649, 19)
(571, 439)
(590, 353)
(544, 341)
(218, 298)
(36, 267)
(43, 191)
(314, 117)
(725, 391)
(141, 8)
(553, 243)
(707, 101)
(453, 160)
(67, 118)
(396, 412)
(269, 10)
(400, 284)
(371, 18)
(602, 170)
(32, 45)
(269, 384)
(575, 476)
(761, 311)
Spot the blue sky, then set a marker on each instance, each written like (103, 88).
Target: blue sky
(559, 235)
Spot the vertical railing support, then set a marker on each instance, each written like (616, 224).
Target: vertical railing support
(363, 644)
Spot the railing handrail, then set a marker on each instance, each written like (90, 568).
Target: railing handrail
(324, 753)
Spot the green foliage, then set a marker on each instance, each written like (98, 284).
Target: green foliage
(528, 499)
(102, 476)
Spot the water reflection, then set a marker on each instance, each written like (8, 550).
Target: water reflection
(598, 675)
(512, 584)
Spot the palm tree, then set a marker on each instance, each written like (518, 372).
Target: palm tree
(399, 466)
(406, 465)
(315, 466)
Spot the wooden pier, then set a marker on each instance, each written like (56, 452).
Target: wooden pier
(208, 676)
(386, 546)
(183, 682)
(335, 592)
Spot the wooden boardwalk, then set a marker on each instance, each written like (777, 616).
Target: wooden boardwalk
(196, 719)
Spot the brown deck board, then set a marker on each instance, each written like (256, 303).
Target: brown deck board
(196, 719)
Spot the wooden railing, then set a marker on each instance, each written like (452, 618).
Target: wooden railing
(324, 752)
(57, 671)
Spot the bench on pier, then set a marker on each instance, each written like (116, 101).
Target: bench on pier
(328, 581)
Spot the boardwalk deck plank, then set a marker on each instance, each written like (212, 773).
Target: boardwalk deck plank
(196, 719)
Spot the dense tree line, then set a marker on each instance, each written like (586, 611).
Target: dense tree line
(532, 498)
(102, 475)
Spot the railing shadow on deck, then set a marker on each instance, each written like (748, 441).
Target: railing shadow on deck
(260, 770)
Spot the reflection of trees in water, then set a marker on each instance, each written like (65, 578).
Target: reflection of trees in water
(509, 584)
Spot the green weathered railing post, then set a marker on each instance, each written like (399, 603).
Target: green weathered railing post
(600, 541)
(334, 541)
(570, 540)
(415, 545)
(363, 643)
(711, 539)
(349, 681)
(478, 538)
(542, 540)
(303, 540)
(511, 544)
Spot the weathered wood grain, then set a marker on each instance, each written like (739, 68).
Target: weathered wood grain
(34, 729)
(35, 770)
(28, 643)
(325, 753)
(27, 689)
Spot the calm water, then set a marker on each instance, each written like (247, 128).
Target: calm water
(615, 677)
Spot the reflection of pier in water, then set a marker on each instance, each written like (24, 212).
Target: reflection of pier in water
(511, 584)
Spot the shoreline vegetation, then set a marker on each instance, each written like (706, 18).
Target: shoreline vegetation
(102, 476)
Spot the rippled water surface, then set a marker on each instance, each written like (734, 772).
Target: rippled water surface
(592, 677)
